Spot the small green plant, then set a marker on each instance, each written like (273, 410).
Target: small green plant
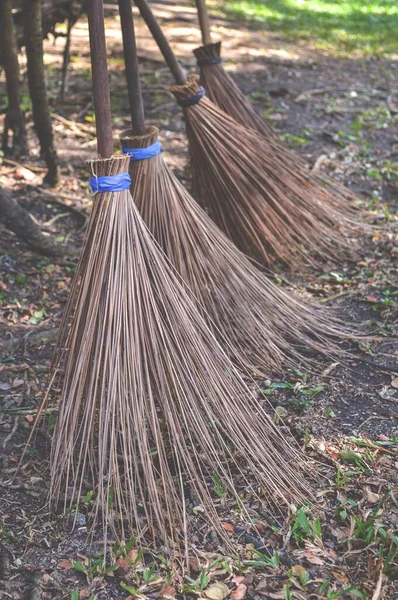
(38, 316)
(130, 589)
(93, 568)
(196, 585)
(218, 488)
(20, 279)
(305, 527)
(263, 98)
(5, 534)
(334, 595)
(294, 140)
(263, 560)
(303, 394)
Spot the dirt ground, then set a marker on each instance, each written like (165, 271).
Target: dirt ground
(341, 115)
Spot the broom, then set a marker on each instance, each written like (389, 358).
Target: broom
(271, 209)
(264, 326)
(223, 91)
(151, 408)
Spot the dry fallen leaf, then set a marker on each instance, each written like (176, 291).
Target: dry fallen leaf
(239, 593)
(216, 591)
(371, 496)
(168, 592)
(377, 592)
(341, 577)
(299, 571)
(238, 579)
(228, 527)
(65, 564)
(313, 558)
(123, 566)
(394, 382)
(24, 173)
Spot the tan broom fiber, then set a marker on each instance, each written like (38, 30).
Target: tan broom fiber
(151, 407)
(266, 328)
(264, 204)
(223, 91)
(269, 208)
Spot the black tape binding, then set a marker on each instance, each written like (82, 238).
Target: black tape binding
(212, 60)
(192, 99)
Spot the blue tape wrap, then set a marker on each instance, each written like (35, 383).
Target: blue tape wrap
(143, 153)
(110, 183)
(212, 60)
(193, 99)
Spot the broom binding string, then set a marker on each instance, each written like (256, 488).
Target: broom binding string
(110, 183)
(212, 60)
(191, 100)
(143, 153)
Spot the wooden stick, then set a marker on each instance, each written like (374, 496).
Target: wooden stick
(131, 67)
(99, 67)
(159, 37)
(204, 21)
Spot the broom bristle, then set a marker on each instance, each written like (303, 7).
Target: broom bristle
(266, 329)
(266, 205)
(223, 91)
(151, 408)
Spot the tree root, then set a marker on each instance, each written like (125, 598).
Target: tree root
(17, 219)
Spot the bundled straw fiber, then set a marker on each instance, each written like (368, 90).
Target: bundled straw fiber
(223, 91)
(266, 328)
(151, 407)
(262, 203)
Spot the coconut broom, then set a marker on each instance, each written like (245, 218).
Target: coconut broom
(265, 327)
(151, 408)
(268, 207)
(223, 91)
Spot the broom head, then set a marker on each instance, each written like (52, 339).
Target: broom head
(267, 206)
(151, 409)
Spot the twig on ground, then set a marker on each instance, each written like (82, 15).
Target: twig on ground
(33, 168)
(12, 432)
(335, 296)
(78, 129)
(318, 92)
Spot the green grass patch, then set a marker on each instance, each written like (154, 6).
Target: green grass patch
(366, 27)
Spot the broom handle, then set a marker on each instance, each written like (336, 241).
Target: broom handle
(131, 67)
(99, 69)
(176, 70)
(204, 21)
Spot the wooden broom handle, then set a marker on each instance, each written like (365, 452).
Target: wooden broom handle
(131, 67)
(204, 21)
(176, 70)
(99, 69)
